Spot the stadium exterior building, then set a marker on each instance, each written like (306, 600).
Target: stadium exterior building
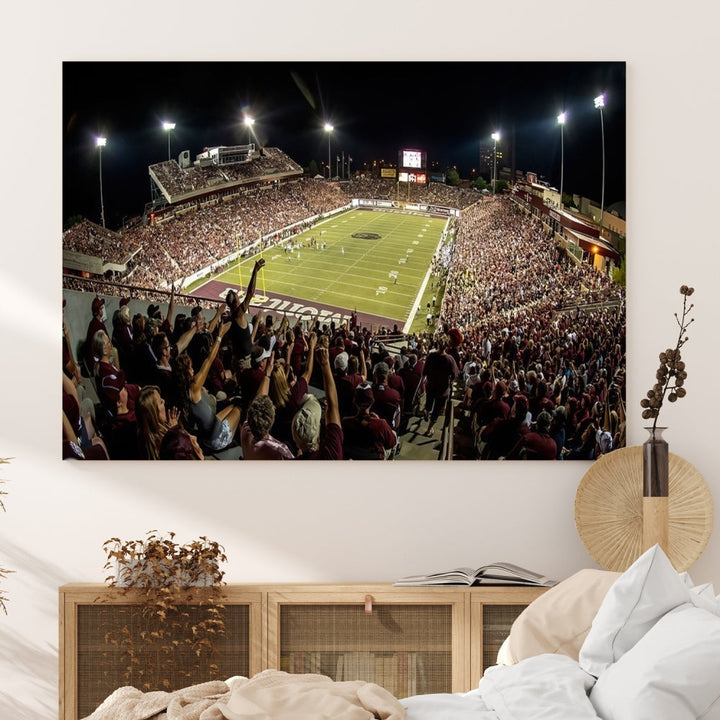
(578, 235)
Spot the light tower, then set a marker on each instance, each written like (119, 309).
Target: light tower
(249, 122)
(561, 121)
(600, 104)
(495, 136)
(328, 129)
(100, 143)
(168, 127)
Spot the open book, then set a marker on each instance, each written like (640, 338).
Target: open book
(500, 573)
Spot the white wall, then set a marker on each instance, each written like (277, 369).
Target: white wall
(339, 523)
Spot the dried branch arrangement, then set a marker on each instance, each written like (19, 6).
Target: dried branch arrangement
(671, 375)
(172, 637)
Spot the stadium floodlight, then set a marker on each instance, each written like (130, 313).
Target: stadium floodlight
(600, 104)
(495, 136)
(168, 127)
(100, 143)
(249, 122)
(561, 121)
(328, 129)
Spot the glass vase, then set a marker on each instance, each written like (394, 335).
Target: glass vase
(655, 464)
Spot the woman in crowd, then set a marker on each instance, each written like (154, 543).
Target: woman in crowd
(214, 431)
(108, 377)
(281, 395)
(164, 351)
(153, 421)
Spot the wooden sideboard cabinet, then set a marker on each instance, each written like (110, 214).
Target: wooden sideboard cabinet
(410, 640)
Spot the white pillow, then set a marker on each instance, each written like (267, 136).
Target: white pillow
(647, 590)
(673, 673)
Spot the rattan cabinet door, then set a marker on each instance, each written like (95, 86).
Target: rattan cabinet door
(493, 611)
(107, 642)
(409, 641)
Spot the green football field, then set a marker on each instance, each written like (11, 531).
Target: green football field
(374, 262)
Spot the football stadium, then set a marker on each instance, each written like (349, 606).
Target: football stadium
(369, 260)
(255, 312)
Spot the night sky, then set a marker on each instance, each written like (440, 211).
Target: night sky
(447, 109)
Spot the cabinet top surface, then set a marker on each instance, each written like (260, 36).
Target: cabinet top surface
(488, 591)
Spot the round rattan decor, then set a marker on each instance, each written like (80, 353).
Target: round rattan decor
(608, 510)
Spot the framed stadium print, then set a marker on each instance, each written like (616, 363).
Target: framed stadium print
(367, 261)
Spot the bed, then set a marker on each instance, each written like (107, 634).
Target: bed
(641, 645)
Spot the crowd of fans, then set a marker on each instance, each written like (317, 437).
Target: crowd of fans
(434, 193)
(153, 255)
(184, 387)
(540, 339)
(535, 343)
(504, 263)
(88, 238)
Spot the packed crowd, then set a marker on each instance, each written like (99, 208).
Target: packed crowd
(177, 181)
(433, 193)
(155, 254)
(503, 262)
(535, 341)
(183, 387)
(87, 238)
(540, 340)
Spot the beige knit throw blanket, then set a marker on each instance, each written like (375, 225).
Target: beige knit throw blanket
(269, 695)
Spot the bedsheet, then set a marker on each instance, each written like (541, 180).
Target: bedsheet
(546, 687)
(269, 695)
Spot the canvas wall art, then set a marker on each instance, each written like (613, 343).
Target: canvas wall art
(352, 260)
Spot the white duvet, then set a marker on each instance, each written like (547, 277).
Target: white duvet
(546, 687)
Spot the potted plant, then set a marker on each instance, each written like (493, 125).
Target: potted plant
(169, 633)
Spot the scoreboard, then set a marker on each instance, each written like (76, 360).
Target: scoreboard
(412, 166)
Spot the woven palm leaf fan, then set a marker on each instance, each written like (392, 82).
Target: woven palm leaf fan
(609, 510)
